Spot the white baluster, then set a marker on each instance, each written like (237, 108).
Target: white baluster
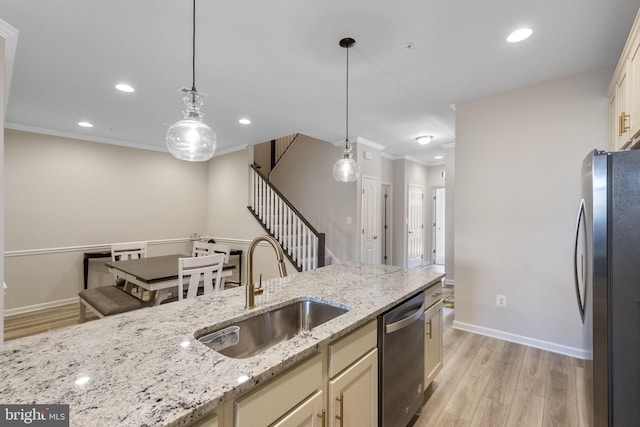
(315, 253)
(297, 257)
(280, 215)
(289, 230)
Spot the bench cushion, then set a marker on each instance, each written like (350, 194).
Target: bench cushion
(111, 300)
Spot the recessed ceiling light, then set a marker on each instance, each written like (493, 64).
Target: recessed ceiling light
(438, 157)
(519, 35)
(244, 121)
(424, 139)
(85, 124)
(123, 87)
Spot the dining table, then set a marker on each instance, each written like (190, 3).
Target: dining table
(156, 274)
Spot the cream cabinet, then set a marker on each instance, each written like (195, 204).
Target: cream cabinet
(432, 342)
(624, 95)
(353, 379)
(353, 394)
(207, 421)
(623, 113)
(288, 394)
(309, 413)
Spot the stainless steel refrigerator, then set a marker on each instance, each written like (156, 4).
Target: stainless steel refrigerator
(607, 280)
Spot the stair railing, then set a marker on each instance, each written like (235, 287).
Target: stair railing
(301, 243)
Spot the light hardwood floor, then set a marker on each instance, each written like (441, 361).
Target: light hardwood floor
(22, 325)
(484, 381)
(490, 382)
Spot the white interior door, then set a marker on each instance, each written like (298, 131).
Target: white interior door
(370, 221)
(438, 225)
(415, 226)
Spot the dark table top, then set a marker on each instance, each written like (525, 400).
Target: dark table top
(153, 269)
(150, 269)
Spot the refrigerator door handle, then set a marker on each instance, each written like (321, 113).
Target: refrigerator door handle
(581, 221)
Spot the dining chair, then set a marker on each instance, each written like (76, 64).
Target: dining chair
(200, 248)
(202, 269)
(207, 248)
(219, 248)
(126, 251)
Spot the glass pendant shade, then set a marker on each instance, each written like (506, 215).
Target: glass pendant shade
(346, 169)
(190, 138)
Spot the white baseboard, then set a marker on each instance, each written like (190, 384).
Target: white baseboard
(36, 307)
(519, 339)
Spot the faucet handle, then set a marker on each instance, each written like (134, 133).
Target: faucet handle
(259, 290)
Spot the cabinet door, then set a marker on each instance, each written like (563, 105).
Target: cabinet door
(309, 413)
(623, 116)
(277, 397)
(432, 342)
(353, 395)
(613, 123)
(634, 89)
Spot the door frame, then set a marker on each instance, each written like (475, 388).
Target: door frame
(388, 233)
(434, 225)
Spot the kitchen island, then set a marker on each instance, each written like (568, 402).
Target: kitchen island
(146, 368)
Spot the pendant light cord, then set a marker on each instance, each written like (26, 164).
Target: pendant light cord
(193, 50)
(347, 115)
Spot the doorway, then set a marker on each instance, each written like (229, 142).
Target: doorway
(415, 226)
(438, 226)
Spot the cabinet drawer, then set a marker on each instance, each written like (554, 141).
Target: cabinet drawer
(350, 348)
(208, 421)
(265, 405)
(432, 295)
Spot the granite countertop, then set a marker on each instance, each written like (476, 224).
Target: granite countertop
(145, 368)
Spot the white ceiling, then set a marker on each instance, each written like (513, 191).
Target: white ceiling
(278, 63)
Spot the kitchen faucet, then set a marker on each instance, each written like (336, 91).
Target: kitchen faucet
(250, 290)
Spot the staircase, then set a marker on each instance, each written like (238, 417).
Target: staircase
(301, 243)
(280, 146)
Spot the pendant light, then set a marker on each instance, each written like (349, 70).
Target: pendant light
(190, 138)
(346, 169)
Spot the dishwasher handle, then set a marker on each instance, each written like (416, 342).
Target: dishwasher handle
(396, 326)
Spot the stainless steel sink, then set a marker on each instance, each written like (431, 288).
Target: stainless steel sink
(258, 333)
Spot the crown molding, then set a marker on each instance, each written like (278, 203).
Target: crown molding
(110, 141)
(363, 141)
(10, 36)
(83, 137)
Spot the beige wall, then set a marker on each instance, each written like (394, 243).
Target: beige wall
(517, 188)
(2, 73)
(449, 232)
(304, 176)
(65, 193)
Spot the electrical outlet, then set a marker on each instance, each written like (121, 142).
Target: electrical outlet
(501, 300)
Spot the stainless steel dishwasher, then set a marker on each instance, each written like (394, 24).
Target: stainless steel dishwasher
(401, 362)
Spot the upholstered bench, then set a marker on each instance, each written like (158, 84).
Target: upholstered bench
(107, 300)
